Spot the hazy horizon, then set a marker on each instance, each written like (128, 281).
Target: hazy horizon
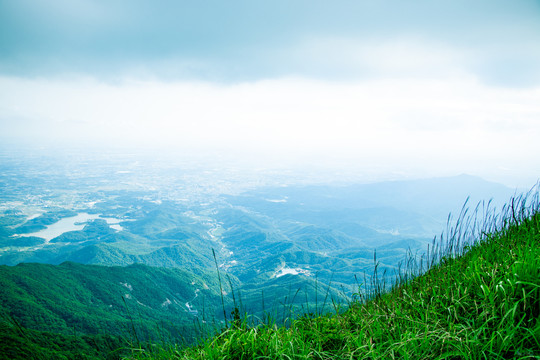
(387, 89)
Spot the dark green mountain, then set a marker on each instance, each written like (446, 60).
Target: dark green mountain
(133, 303)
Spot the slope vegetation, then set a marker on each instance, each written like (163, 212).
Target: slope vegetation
(98, 309)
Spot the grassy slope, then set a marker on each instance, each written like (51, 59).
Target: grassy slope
(475, 302)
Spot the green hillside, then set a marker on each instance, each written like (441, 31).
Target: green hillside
(44, 307)
(478, 299)
(78, 311)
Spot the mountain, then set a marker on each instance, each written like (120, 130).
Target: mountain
(328, 232)
(103, 309)
(135, 302)
(475, 301)
(301, 247)
(412, 207)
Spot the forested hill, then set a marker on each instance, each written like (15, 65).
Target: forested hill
(65, 309)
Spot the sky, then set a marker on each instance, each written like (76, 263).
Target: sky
(413, 88)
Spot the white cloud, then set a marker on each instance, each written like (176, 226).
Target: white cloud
(437, 126)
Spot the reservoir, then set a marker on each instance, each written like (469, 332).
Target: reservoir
(73, 223)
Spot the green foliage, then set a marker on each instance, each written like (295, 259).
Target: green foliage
(17, 342)
(73, 302)
(12, 218)
(476, 295)
(21, 241)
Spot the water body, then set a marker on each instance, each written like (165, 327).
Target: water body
(74, 223)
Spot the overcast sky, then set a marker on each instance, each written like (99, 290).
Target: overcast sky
(421, 87)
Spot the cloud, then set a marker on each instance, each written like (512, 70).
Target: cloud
(243, 40)
(455, 121)
(432, 85)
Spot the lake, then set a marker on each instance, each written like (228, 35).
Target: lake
(73, 223)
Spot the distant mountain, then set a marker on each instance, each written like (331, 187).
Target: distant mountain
(412, 207)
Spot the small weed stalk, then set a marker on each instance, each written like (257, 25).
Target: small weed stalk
(220, 289)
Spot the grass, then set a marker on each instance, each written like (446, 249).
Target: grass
(475, 294)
